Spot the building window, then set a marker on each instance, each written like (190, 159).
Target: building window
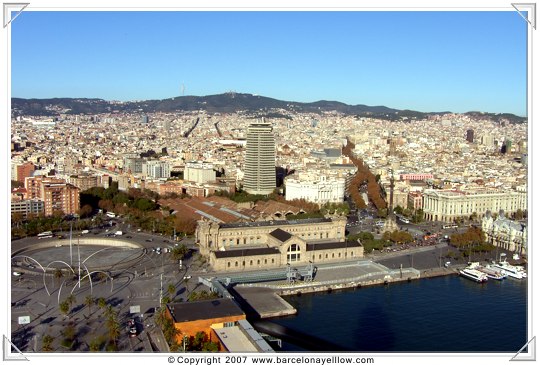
(272, 260)
(228, 264)
(250, 262)
(258, 262)
(293, 253)
(236, 264)
(265, 261)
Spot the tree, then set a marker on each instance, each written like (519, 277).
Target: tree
(64, 308)
(71, 299)
(171, 289)
(113, 327)
(102, 303)
(179, 252)
(85, 210)
(69, 335)
(17, 219)
(89, 301)
(47, 343)
(58, 274)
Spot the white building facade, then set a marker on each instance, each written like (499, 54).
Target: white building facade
(319, 190)
(199, 172)
(505, 233)
(156, 169)
(449, 205)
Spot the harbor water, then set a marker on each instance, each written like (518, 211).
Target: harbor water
(443, 314)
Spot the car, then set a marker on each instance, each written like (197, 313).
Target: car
(17, 273)
(132, 328)
(187, 277)
(31, 266)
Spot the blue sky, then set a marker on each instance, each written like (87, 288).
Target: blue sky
(427, 61)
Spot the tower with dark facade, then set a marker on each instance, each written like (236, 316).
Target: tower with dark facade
(470, 136)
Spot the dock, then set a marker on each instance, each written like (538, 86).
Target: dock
(265, 302)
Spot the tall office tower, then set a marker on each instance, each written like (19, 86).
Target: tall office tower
(260, 166)
(470, 136)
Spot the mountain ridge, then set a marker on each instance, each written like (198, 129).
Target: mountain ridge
(229, 102)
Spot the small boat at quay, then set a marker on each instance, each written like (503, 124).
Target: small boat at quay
(516, 272)
(491, 272)
(474, 275)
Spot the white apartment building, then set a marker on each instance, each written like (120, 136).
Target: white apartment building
(199, 172)
(320, 190)
(156, 169)
(448, 205)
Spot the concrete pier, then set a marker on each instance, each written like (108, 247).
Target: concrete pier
(265, 301)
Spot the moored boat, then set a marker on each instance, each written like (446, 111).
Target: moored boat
(492, 273)
(516, 272)
(474, 275)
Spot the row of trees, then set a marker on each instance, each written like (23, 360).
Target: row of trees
(363, 177)
(399, 237)
(140, 208)
(473, 240)
(69, 333)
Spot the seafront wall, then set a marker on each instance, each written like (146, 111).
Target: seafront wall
(266, 307)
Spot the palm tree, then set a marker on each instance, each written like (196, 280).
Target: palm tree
(171, 289)
(102, 303)
(58, 274)
(89, 301)
(113, 325)
(64, 308)
(47, 343)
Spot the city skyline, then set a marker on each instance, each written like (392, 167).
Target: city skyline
(425, 61)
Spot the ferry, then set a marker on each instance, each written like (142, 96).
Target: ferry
(516, 272)
(491, 273)
(474, 275)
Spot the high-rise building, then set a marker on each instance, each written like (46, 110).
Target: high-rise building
(260, 165)
(470, 136)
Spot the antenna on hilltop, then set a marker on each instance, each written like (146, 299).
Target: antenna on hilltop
(183, 88)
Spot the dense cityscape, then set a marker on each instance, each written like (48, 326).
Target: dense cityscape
(190, 206)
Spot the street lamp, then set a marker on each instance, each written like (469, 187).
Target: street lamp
(184, 342)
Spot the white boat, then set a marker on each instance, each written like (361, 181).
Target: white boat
(493, 273)
(474, 275)
(516, 272)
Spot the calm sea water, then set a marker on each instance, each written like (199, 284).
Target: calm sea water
(445, 314)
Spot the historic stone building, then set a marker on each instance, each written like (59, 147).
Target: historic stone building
(451, 205)
(505, 233)
(274, 244)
